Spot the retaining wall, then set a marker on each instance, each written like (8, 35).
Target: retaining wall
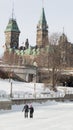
(6, 105)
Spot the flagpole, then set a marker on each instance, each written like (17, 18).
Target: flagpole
(42, 3)
(12, 9)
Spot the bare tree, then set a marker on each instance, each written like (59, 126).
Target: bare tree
(54, 64)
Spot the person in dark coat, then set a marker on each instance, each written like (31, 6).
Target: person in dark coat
(31, 110)
(26, 110)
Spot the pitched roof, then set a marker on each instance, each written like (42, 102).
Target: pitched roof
(12, 26)
(63, 38)
(42, 20)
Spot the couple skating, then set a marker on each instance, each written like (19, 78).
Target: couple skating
(27, 109)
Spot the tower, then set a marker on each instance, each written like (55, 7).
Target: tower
(42, 31)
(12, 33)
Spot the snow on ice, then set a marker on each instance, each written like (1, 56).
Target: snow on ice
(47, 116)
(50, 115)
(28, 90)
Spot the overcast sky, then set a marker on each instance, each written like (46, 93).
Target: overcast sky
(59, 14)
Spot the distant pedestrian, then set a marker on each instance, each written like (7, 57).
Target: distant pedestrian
(26, 110)
(31, 110)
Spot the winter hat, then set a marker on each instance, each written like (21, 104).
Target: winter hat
(30, 105)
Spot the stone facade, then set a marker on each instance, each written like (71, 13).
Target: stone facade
(6, 105)
(42, 54)
(12, 34)
(42, 31)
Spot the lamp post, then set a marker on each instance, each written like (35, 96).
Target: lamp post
(10, 85)
(35, 90)
(11, 89)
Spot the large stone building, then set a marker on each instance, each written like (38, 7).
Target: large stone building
(38, 56)
(66, 50)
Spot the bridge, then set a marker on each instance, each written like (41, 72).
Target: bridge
(26, 73)
(30, 73)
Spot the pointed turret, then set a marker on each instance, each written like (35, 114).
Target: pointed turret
(12, 34)
(42, 22)
(63, 38)
(42, 31)
(12, 26)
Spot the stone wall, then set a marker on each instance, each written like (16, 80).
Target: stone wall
(6, 105)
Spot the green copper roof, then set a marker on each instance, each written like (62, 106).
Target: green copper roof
(42, 20)
(12, 26)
